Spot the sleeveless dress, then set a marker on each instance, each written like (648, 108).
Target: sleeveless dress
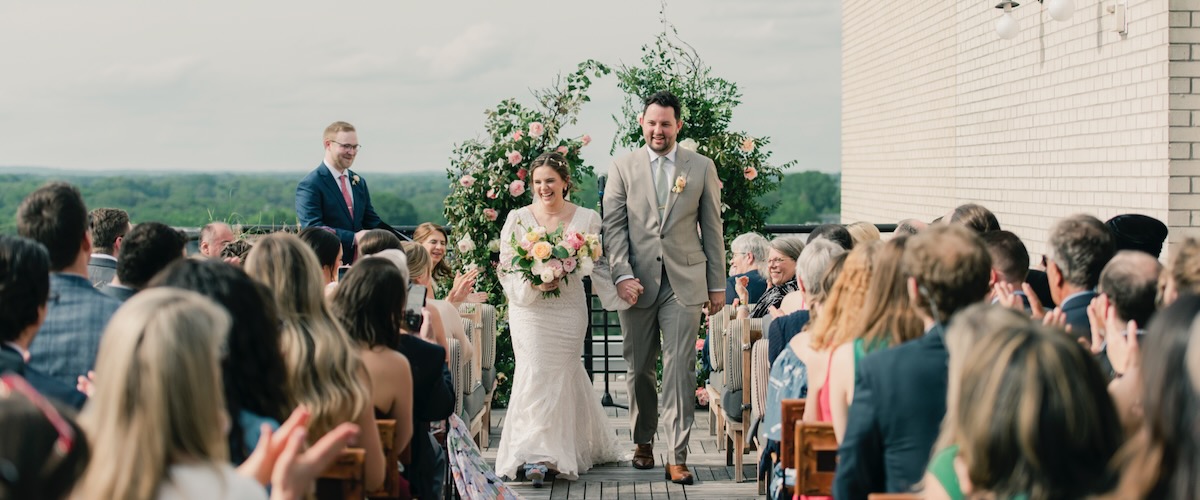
(553, 416)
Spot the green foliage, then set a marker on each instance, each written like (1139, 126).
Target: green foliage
(805, 197)
(742, 160)
(488, 180)
(192, 200)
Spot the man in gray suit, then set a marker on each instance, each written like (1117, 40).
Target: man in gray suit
(655, 200)
(107, 228)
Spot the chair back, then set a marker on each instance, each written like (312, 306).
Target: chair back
(815, 458)
(391, 458)
(343, 479)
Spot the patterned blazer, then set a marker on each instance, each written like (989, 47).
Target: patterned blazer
(65, 347)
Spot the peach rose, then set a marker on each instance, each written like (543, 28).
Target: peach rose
(541, 250)
(517, 135)
(466, 181)
(490, 213)
(536, 129)
(750, 173)
(517, 188)
(514, 157)
(748, 145)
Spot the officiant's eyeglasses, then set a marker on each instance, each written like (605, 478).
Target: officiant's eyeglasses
(352, 147)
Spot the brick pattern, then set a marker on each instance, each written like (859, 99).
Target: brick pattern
(1183, 185)
(937, 110)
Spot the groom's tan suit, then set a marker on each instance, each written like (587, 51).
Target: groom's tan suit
(678, 262)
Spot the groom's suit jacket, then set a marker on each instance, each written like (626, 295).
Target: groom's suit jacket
(319, 202)
(688, 244)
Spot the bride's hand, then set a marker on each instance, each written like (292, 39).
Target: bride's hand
(548, 287)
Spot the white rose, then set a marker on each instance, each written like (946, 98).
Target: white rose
(689, 144)
(548, 275)
(585, 266)
(466, 244)
(494, 246)
(538, 267)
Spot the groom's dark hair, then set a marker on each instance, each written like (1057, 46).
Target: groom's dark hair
(664, 99)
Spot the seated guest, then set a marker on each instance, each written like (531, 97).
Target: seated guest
(886, 320)
(149, 248)
(998, 451)
(836, 233)
(24, 289)
(781, 271)
(107, 227)
(863, 232)
(1077, 249)
(889, 439)
(445, 322)
(252, 369)
(159, 407)
(1128, 294)
(1010, 262)
(214, 236)
(370, 304)
(324, 371)
(328, 248)
(1138, 232)
(814, 260)
(748, 257)
(1182, 274)
(374, 241)
(434, 239)
(910, 227)
(42, 448)
(65, 347)
(975, 217)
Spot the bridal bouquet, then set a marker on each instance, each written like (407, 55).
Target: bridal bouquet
(542, 257)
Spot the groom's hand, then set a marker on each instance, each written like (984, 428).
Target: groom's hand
(716, 302)
(629, 290)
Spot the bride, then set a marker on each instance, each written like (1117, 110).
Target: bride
(554, 423)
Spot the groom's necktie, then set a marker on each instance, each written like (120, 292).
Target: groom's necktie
(346, 195)
(660, 184)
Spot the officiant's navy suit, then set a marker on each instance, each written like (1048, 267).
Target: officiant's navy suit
(319, 202)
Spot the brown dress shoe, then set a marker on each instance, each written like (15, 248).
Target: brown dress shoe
(679, 474)
(643, 456)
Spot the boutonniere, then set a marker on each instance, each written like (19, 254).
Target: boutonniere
(353, 179)
(680, 183)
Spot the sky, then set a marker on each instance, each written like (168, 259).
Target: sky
(249, 86)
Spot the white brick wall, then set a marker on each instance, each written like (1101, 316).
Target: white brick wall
(1066, 118)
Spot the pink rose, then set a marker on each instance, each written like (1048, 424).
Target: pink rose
(562, 149)
(536, 129)
(466, 181)
(699, 344)
(490, 213)
(569, 264)
(750, 173)
(574, 240)
(526, 244)
(587, 139)
(748, 145)
(522, 173)
(491, 194)
(514, 157)
(517, 135)
(556, 265)
(517, 188)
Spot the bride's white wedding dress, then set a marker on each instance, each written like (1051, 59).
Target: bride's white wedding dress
(554, 416)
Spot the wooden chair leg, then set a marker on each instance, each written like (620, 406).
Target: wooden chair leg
(712, 420)
(728, 451)
(739, 446)
(485, 429)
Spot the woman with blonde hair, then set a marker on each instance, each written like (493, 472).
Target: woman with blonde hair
(862, 232)
(435, 241)
(158, 411)
(1033, 419)
(887, 320)
(324, 371)
(444, 319)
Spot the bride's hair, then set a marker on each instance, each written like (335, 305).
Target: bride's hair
(557, 162)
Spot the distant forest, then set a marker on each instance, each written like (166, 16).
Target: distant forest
(192, 200)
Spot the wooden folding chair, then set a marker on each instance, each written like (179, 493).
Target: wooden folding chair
(815, 457)
(792, 413)
(391, 478)
(343, 479)
(742, 335)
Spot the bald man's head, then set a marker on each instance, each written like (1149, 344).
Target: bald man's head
(1130, 280)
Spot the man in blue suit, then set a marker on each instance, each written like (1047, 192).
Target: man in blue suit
(334, 196)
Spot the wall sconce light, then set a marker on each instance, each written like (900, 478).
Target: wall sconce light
(1008, 27)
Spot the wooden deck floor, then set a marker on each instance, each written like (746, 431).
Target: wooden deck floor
(714, 480)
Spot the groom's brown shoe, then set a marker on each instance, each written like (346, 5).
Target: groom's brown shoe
(679, 474)
(643, 456)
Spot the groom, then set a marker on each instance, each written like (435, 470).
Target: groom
(654, 201)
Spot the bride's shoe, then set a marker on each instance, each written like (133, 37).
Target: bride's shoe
(536, 473)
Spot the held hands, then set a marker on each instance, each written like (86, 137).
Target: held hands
(629, 290)
(716, 302)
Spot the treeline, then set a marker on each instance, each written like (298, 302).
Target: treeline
(192, 200)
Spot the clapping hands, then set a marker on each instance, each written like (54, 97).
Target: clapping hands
(281, 460)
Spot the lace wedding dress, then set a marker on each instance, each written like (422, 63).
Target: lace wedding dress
(554, 416)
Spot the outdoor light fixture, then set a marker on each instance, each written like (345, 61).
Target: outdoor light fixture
(1008, 27)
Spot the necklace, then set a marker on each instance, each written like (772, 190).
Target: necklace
(548, 212)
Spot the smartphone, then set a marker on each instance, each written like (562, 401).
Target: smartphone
(342, 272)
(412, 308)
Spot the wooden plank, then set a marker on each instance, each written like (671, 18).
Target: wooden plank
(659, 489)
(674, 490)
(561, 489)
(625, 490)
(642, 490)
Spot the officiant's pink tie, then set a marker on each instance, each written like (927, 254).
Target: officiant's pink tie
(346, 195)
